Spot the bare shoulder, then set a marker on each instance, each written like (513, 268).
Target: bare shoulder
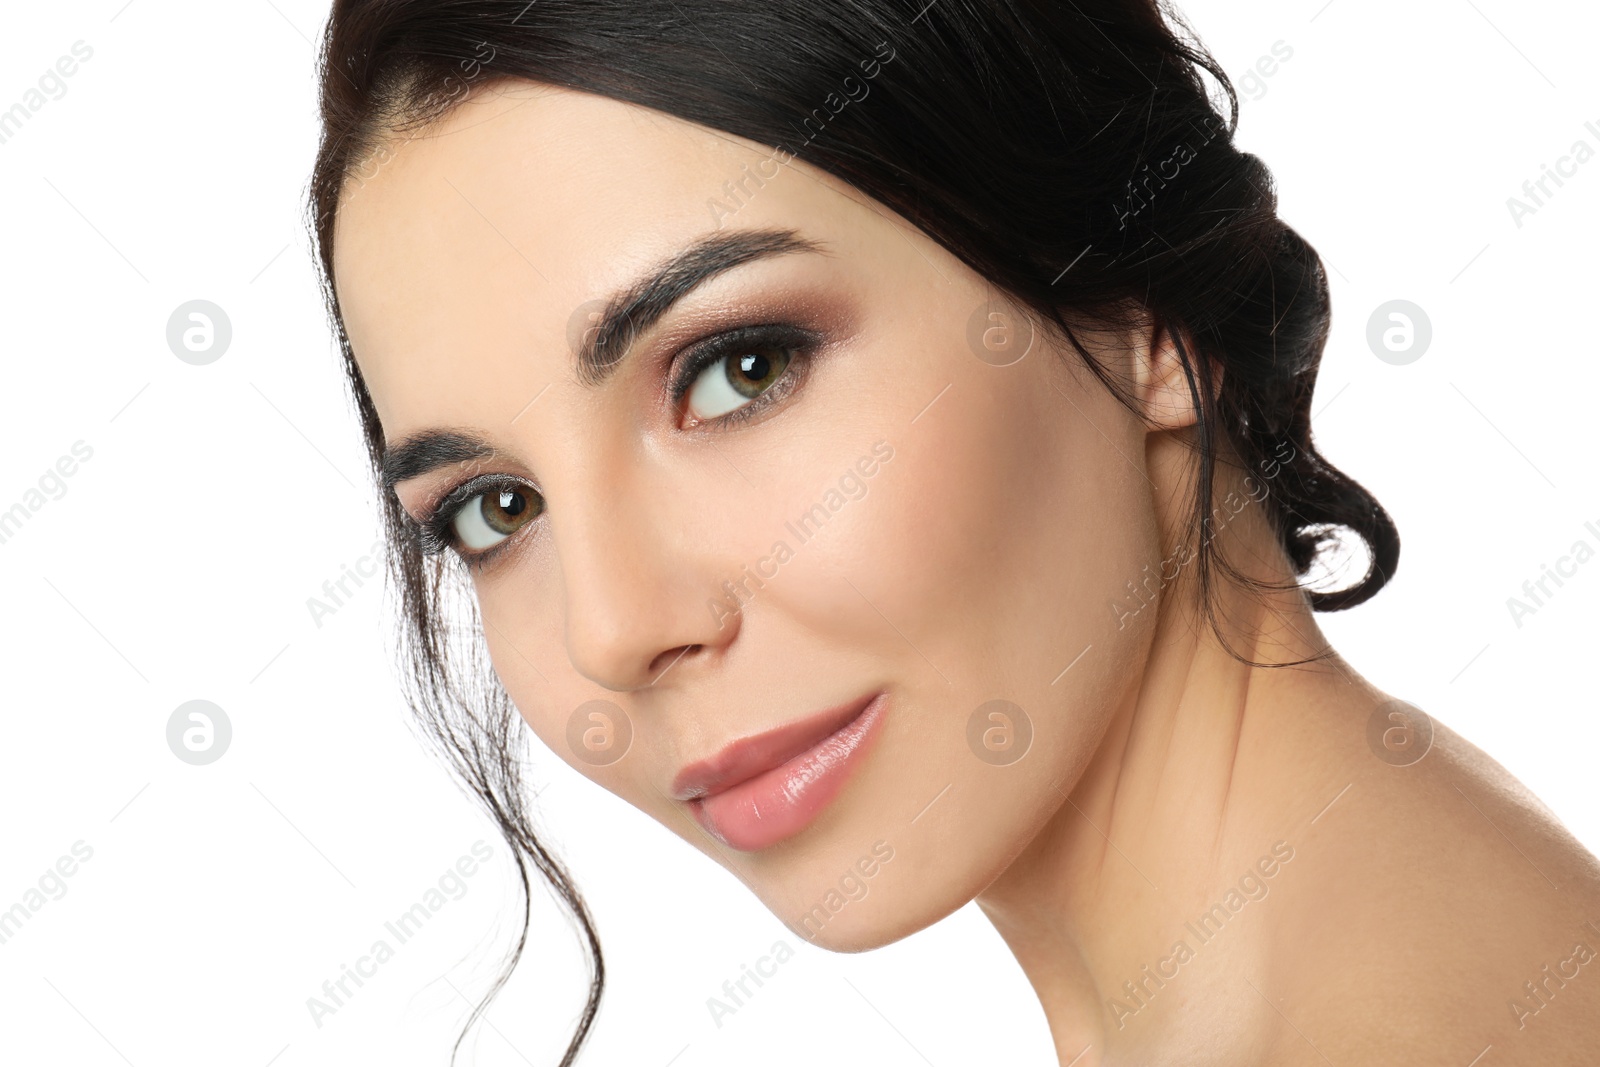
(1445, 913)
(1550, 974)
(1506, 804)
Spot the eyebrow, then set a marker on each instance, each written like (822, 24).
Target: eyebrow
(422, 452)
(633, 310)
(607, 339)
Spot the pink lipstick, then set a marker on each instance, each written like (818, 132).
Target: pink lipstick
(762, 789)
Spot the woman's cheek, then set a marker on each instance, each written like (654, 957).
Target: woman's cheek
(566, 712)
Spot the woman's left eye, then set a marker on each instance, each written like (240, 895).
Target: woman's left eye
(731, 382)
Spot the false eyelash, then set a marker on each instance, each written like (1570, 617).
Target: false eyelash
(433, 529)
(799, 341)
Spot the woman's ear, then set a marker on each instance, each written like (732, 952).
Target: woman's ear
(1161, 386)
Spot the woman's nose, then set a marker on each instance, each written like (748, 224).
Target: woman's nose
(638, 586)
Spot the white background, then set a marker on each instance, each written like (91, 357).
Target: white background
(219, 498)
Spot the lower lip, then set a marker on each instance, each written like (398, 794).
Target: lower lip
(777, 804)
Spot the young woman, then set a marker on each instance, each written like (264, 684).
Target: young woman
(874, 437)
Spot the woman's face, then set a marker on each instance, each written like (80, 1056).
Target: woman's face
(871, 502)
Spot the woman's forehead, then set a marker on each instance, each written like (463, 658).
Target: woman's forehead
(483, 235)
(567, 181)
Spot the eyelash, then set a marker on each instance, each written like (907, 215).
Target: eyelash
(798, 340)
(435, 533)
(434, 530)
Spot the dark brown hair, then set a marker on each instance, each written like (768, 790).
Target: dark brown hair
(1070, 153)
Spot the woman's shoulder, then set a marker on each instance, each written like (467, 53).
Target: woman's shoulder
(1524, 825)
(1448, 911)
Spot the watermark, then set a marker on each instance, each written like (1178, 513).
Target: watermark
(366, 566)
(766, 967)
(998, 334)
(1251, 886)
(51, 885)
(1538, 191)
(599, 732)
(724, 209)
(1165, 171)
(1254, 80)
(452, 87)
(199, 332)
(1399, 733)
(1146, 589)
(199, 732)
(584, 331)
(51, 82)
(850, 486)
(854, 90)
(1399, 332)
(1538, 992)
(999, 732)
(336, 992)
(51, 482)
(1537, 590)
(852, 886)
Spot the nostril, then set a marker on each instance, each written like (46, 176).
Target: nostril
(665, 662)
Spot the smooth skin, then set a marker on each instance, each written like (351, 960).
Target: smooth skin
(985, 560)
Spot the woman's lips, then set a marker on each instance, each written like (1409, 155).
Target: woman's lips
(763, 789)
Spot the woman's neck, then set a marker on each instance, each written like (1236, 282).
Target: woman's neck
(1244, 874)
(1161, 868)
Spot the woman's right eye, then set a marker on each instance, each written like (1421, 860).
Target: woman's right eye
(485, 520)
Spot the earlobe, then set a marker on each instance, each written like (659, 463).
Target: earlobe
(1161, 384)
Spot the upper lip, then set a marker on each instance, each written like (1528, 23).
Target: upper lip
(750, 756)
